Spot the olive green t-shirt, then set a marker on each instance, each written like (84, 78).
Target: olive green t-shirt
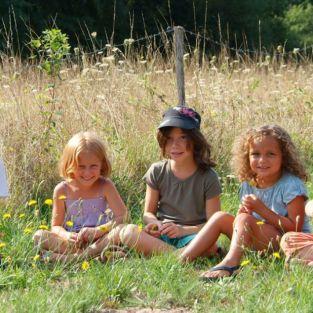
(182, 201)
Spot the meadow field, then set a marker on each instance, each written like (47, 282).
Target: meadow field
(123, 102)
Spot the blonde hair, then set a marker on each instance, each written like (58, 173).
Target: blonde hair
(83, 141)
(290, 158)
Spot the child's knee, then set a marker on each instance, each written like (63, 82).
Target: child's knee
(244, 220)
(285, 241)
(128, 233)
(39, 237)
(220, 216)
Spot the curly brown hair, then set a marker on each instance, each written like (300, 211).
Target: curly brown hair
(290, 162)
(196, 140)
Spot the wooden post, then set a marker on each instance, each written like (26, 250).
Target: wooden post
(179, 33)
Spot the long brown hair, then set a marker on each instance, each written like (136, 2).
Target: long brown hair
(196, 141)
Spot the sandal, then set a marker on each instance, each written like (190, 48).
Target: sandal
(112, 253)
(232, 270)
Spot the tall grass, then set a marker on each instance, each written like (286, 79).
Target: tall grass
(123, 102)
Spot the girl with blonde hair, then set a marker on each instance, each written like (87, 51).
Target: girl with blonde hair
(86, 205)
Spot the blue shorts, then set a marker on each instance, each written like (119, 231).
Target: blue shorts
(178, 242)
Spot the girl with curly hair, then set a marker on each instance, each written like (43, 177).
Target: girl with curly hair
(272, 199)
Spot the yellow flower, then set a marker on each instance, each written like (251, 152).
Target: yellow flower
(2, 244)
(252, 183)
(36, 257)
(6, 216)
(260, 223)
(22, 215)
(276, 255)
(69, 223)
(140, 228)
(48, 201)
(34, 265)
(44, 227)
(32, 202)
(85, 265)
(62, 197)
(245, 262)
(104, 228)
(28, 230)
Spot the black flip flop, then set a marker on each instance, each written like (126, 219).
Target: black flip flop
(230, 269)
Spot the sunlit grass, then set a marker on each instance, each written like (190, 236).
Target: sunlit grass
(123, 103)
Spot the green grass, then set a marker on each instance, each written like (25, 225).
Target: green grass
(124, 103)
(26, 285)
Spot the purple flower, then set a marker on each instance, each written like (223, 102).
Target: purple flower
(187, 112)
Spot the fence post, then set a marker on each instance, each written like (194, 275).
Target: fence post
(179, 33)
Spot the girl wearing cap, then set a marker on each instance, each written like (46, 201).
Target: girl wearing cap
(183, 190)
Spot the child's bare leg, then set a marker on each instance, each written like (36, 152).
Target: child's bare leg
(219, 223)
(299, 246)
(47, 240)
(247, 233)
(111, 238)
(142, 242)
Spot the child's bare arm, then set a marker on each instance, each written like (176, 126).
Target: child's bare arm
(292, 222)
(115, 203)
(58, 214)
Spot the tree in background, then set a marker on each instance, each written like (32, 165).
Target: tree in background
(237, 22)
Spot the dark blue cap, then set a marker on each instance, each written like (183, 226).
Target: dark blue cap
(181, 117)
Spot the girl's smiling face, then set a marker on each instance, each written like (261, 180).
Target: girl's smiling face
(178, 146)
(88, 169)
(265, 158)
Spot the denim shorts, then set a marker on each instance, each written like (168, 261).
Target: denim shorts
(178, 242)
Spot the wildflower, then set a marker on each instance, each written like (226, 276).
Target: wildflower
(245, 262)
(85, 266)
(62, 197)
(22, 215)
(94, 34)
(140, 227)
(260, 223)
(48, 201)
(276, 255)
(32, 202)
(6, 216)
(28, 231)
(104, 228)
(34, 265)
(2, 244)
(69, 223)
(44, 227)
(36, 257)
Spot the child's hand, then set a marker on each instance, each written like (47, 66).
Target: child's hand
(252, 203)
(243, 209)
(172, 230)
(153, 229)
(88, 234)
